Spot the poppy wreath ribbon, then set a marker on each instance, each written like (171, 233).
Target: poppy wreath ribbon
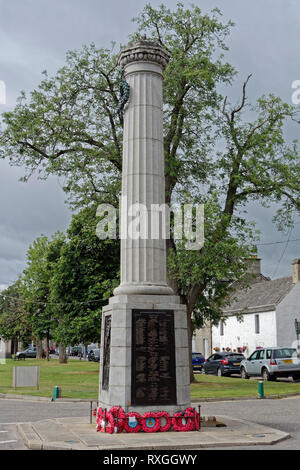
(128, 425)
(119, 417)
(150, 422)
(100, 418)
(178, 424)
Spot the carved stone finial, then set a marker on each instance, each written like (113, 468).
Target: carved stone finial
(146, 51)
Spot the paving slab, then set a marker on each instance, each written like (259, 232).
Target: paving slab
(78, 434)
(29, 436)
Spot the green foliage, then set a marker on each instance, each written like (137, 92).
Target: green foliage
(204, 277)
(83, 279)
(69, 127)
(42, 256)
(66, 282)
(14, 322)
(195, 42)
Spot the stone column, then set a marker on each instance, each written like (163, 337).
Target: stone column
(144, 359)
(143, 260)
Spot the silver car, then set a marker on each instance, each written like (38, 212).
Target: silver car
(270, 363)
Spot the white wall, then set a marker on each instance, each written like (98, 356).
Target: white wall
(287, 311)
(242, 333)
(202, 341)
(5, 347)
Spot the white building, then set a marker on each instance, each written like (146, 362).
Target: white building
(8, 348)
(262, 315)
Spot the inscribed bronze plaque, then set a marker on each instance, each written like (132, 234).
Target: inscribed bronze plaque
(106, 352)
(153, 358)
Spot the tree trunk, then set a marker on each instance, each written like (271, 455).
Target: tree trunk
(190, 344)
(48, 346)
(39, 349)
(14, 346)
(62, 354)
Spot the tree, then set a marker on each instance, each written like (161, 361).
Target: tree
(70, 127)
(35, 290)
(83, 279)
(14, 324)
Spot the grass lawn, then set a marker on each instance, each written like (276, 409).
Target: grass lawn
(79, 379)
(211, 386)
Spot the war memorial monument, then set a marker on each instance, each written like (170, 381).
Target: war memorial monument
(144, 339)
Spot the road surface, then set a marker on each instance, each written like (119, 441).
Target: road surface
(282, 414)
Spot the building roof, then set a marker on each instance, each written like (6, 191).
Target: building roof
(260, 296)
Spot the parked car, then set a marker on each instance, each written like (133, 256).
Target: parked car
(197, 361)
(271, 363)
(67, 349)
(94, 355)
(29, 352)
(90, 347)
(76, 351)
(223, 363)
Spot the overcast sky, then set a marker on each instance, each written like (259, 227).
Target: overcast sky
(35, 35)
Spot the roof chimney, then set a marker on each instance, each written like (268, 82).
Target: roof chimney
(296, 270)
(254, 265)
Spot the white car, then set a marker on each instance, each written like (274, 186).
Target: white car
(271, 363)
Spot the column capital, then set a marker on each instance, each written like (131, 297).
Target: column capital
(144, 51)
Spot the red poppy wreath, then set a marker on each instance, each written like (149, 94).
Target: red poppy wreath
(119, 417)
(150, 422)
(105, 422)
(163, 415)
(178, 424)
(133, 422)
(196, 416)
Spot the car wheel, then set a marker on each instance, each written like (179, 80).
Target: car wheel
(296, 377)
(265, 374)
(219, 372)
(244, 374)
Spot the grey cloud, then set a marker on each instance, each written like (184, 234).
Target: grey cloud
(27, 211)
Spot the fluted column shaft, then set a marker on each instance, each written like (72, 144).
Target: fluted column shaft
(143, 259)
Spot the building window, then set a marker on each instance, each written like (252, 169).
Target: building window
(221, 328)
(257, 324)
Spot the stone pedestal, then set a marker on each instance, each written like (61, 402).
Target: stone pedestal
(119, 391)
(143, 288)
